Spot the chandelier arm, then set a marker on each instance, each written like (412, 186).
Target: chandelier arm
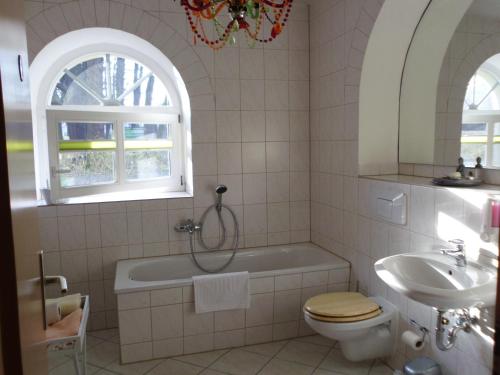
(274, 5)
(211, 15)
(195, 8)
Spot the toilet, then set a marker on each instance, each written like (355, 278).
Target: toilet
(365, 327)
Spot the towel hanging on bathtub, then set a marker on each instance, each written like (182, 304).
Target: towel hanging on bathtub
(225, 291)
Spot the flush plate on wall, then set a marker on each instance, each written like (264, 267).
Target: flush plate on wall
(392, 209)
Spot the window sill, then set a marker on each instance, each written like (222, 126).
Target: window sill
(133, 195)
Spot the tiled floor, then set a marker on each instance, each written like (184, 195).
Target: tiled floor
(312, 355)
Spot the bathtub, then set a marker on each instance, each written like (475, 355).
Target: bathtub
(156, 305)
(178, 270)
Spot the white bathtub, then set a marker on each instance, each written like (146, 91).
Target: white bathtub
(155, 298)
(178, 270)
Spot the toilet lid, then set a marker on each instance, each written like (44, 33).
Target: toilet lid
(341, 305)
(349, 319)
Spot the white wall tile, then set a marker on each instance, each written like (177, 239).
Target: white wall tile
(197, 324)
(137, 300)
(260, 311)
(113, 229)
(229, 158)
(168, 348)
(155, 226)
(254, 157)
(228, 126)
(229, 320)
(71, 232)
(253, 126)
(135, 326)
(167, 321)
(287, 306)
(254, 188)
(422, 210)
(286, 282)
(74, 265)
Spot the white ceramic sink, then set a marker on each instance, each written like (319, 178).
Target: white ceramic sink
(435, 280)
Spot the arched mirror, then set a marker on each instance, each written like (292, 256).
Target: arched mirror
(450, 93)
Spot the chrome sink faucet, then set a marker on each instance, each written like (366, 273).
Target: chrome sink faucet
(458, 253)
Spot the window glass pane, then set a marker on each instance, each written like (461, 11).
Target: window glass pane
(147, 164)
(474, 142)
(147, 150)
(68, 91)
(86, 168)
(85, 131)
(138, 131)
(495, 158)
(110, 80)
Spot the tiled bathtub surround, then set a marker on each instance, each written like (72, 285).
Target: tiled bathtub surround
(162, 323)
(84, 242)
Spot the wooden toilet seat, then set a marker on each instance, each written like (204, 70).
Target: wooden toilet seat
(341, 307)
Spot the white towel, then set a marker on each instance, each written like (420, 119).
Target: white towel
(225, 291)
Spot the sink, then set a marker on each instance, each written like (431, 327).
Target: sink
(435, 280)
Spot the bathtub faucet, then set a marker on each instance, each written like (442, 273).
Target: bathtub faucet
(188, 226)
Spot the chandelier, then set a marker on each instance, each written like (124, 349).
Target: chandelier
(215, 22)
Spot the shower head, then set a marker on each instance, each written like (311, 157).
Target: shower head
(220, 189)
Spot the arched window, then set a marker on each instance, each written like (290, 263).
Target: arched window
(482, 92)
(110, 119)
(112, 126)
(481, 116)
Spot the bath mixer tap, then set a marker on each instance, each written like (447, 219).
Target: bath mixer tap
(458, 253)
(187, 226)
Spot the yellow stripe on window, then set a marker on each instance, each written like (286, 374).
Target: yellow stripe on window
(19, 146)
(87, 145)
(150, 144)
(475, 139)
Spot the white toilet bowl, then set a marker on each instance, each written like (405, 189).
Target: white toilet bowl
(371, 338)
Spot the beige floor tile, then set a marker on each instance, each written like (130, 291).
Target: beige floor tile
(56, 359)
(212, 372)
(269, 349)
(173, 367)
(68, 368)
(380, 368)
(318, 340)
(279, 367)
(93, 341)
(320, 371)
(105, 372)
(139, 368)
(115, 339)
(202, 359)
(104, 334)
(103, 354)
(336, 362)
(240, 362)
(304, 353)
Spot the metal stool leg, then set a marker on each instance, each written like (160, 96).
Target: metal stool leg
(84, 354)
(76, 361)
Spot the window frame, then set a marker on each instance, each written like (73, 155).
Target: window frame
(118, 116)
(490, 118)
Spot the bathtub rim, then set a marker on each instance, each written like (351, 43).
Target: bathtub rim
(123, 284)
